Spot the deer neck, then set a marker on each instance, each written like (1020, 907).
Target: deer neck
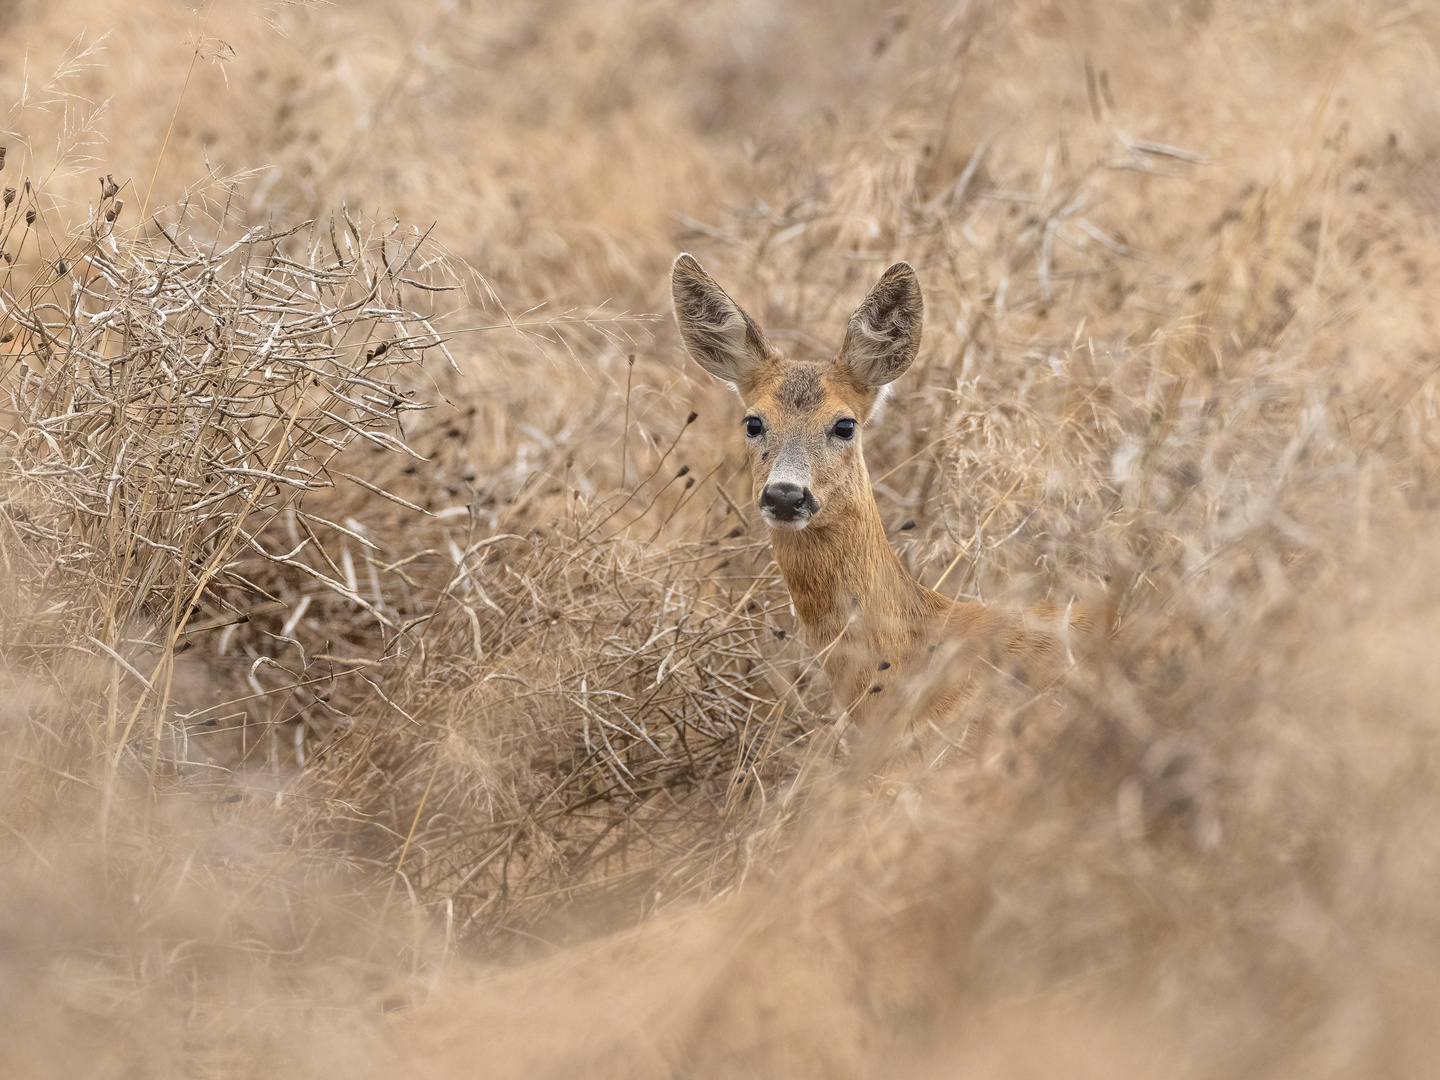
(857, 602)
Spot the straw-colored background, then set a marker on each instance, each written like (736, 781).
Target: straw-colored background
(532, 776)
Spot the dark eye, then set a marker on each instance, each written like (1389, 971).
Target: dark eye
(845, 429)
(754, 427)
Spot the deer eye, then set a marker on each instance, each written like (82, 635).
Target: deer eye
(845, 429)
(754, 427)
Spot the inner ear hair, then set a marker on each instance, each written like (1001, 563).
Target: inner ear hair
(717, 333)
(883, 337)
(877, 406)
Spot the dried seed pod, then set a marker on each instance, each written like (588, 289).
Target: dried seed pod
(30, 216)
(9, 196)
(61, 268)
(2, 157)
(114, 211)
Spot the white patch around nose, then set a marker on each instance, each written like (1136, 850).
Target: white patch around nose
(790, 468)
(786, 472)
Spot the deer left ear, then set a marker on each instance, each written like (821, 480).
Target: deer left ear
(883, 337)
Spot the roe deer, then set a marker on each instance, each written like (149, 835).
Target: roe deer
(870, 621)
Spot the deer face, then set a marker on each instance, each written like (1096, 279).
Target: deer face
(803, 417)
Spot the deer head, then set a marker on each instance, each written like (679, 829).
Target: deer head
(803, 417)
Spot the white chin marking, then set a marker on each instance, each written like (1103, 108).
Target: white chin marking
(776, 523)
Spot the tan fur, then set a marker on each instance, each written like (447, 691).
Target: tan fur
(871, 622)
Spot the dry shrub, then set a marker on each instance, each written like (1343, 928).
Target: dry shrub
(172, 399)
(528, 686)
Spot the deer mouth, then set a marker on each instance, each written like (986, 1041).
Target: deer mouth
(793, 520)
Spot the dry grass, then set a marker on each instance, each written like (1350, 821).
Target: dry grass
(396, 679)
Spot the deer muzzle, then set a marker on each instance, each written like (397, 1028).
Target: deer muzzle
(786, 505)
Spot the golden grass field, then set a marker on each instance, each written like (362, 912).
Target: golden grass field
(394, 678)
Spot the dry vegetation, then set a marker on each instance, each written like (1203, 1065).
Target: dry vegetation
(393, 675)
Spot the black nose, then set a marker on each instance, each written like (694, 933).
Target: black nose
(787, 501)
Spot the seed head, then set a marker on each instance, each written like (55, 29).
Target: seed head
(691, 419)
(30, 216)
(9, 196)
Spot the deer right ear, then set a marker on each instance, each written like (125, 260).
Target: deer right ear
(717, 333)
(883, 337)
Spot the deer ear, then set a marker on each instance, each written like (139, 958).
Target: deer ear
(717, 333)
(884, 333)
